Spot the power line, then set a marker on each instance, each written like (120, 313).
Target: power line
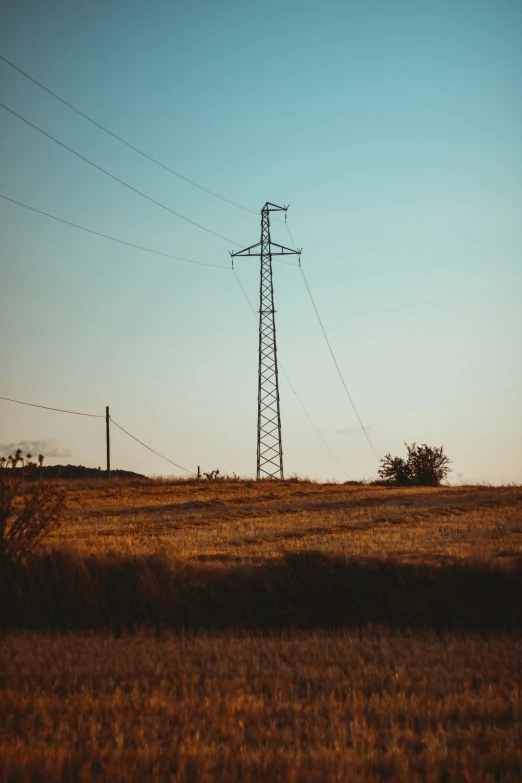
(245, 294)
(292, 387)
(117, 179)
(282, 260)
(330, 347)
(59, 410)
(289, 233)
(113, 239)
(122, 241)
(97, 416)
(336, 364)
(149, 448)
(313, 423)
(118, 138)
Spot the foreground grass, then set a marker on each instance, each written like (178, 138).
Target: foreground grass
(294, 707)
(304, 646)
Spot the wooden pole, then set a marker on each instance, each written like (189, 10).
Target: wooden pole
(199, 473)
(108, 435)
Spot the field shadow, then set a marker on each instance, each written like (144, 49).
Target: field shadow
(64, 590)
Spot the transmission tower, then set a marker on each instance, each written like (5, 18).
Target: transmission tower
(269, 445)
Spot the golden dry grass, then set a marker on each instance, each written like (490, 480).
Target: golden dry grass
(246, 521)
(299, 707)
(367, 704)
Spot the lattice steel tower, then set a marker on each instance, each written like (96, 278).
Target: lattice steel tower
(269, 445)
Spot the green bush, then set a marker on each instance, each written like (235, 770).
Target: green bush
(425, 466)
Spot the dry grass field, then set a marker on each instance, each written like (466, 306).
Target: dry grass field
(246, 521)
(234, 631)
(315, 706)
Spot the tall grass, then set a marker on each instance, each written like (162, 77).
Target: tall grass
(308, 590)
(29, 508)
(295, 707)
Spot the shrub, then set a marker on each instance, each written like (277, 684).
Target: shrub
(29, 510)
(214, 475)
(425, 466)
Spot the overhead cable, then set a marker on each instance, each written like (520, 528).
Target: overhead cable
(98, 416)
(113, 239)
(118, 138)
(289, 232)
(149, 448)
(282, 260)
(337, 365)
(325, 444)
(122, 241)
(292, 387)
(117, 179)
(58, 410)
(330, 347)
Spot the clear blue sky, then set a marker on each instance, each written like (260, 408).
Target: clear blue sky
(392, 129)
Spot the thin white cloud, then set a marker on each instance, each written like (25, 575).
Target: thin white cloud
(48, 447)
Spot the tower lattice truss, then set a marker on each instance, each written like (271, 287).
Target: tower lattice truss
(269, 442)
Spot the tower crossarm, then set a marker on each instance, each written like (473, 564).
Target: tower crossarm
(258, 250)
(283, 251)
(247, 251)
(269, 207)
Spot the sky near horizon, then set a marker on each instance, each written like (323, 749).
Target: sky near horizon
(394, 132)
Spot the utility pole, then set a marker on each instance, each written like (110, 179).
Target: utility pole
(269, 445)
(108, 437)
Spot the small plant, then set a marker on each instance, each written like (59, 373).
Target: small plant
(425, 466)
(214, 475)
(29, 509)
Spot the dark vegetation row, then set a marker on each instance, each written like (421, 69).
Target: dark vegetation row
(79, 472)
(61, 590)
